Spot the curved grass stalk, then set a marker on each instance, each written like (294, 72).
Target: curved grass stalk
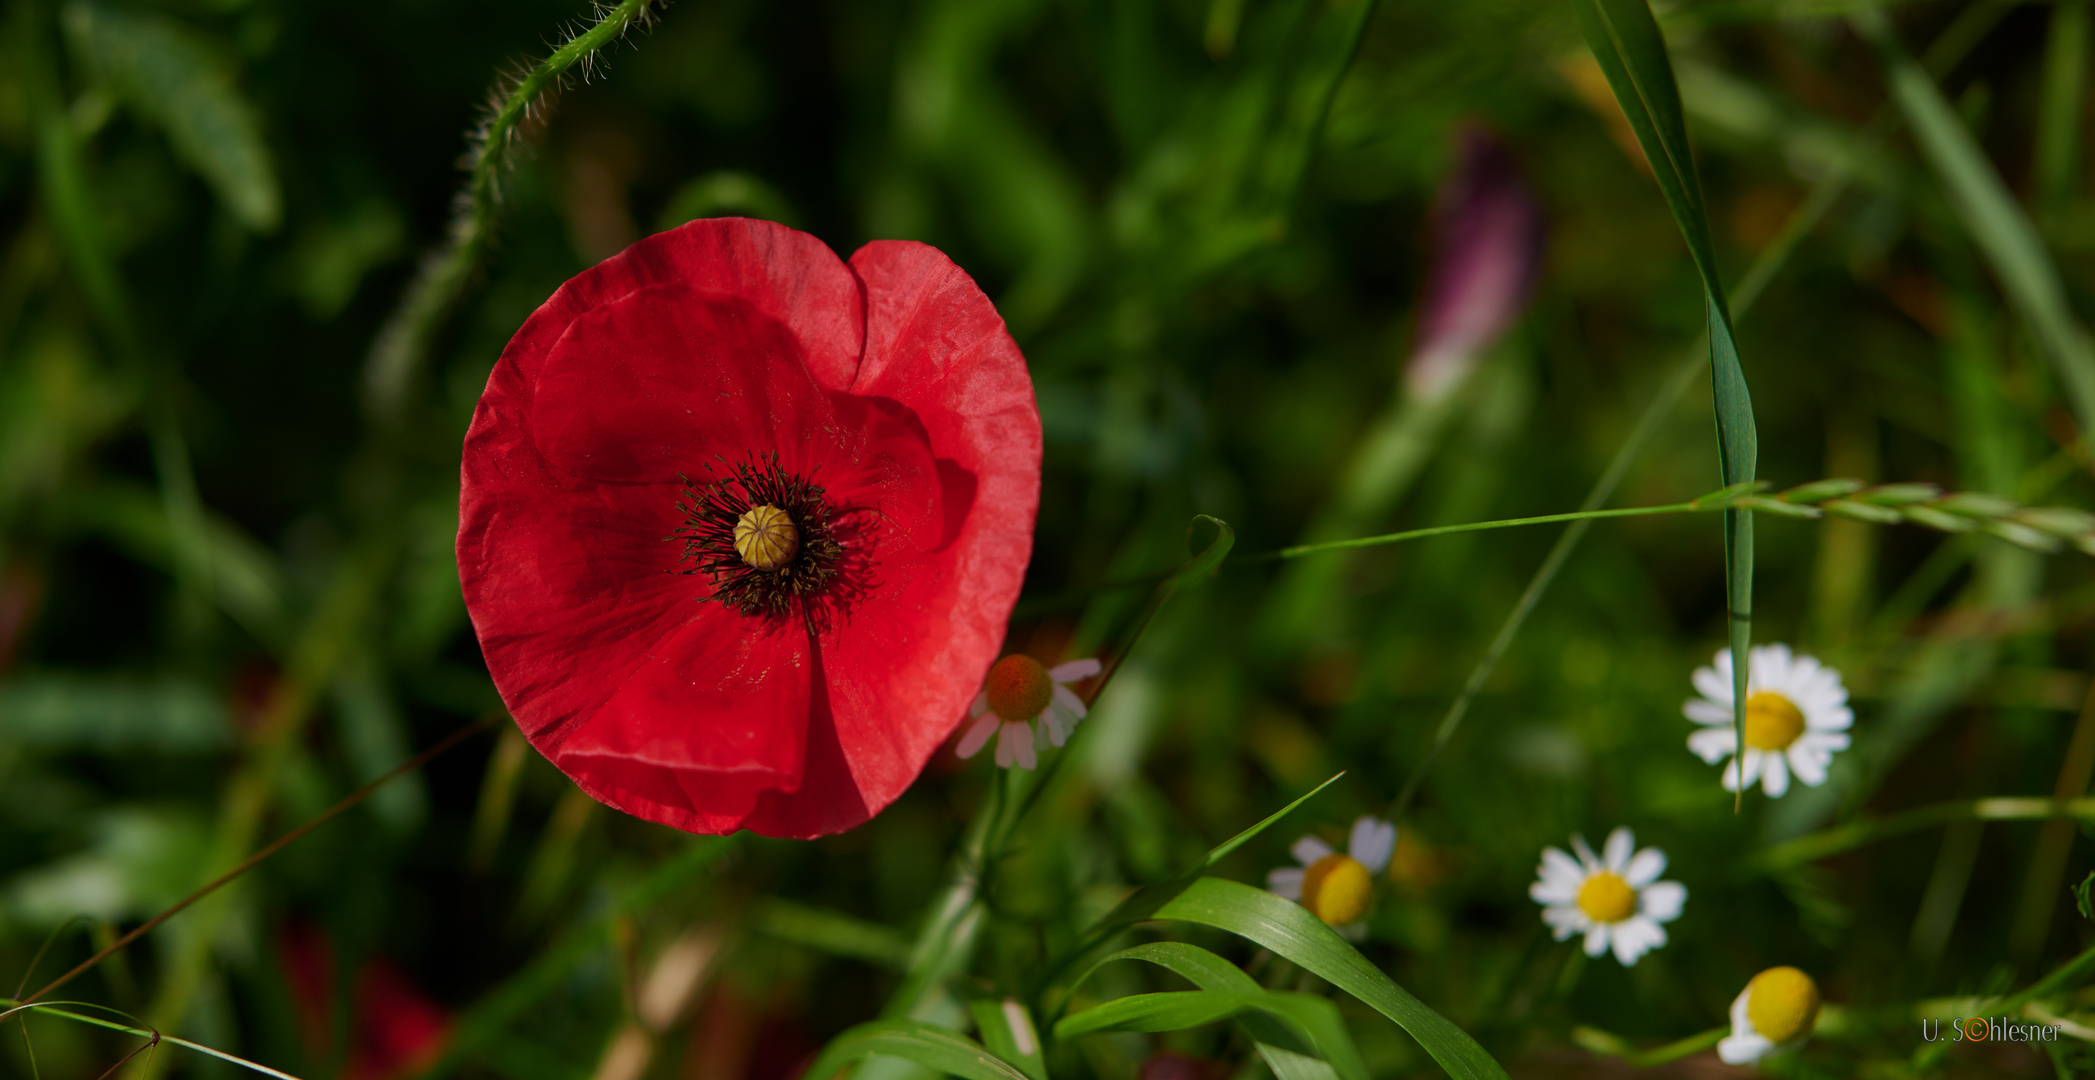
(63, 1009)
(1866, 831)
(1613, 1045)
(403, 343)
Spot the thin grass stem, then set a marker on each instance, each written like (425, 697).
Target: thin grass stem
(1613, 1045)
(1855, 834)
(153, 1038)
(281, 842)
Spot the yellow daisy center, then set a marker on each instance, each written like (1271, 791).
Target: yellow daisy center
(1782, 1003)
(1772, 721)
(1019, 688)
(765, 538)
(1336, 889)
(1606, 898)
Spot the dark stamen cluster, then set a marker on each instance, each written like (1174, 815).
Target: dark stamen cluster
(708, 533)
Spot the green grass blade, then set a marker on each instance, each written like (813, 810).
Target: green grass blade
(1289, 929)
(1239, 840)
(1172, 1010)
(1008, 1030)
(1992, 217)
(1322, 1033)
(914, 1041)
(168, 76)
(1626, 41)
(1210, 972)
(2057, 164)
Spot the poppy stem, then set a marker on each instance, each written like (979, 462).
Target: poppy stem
(403, 343)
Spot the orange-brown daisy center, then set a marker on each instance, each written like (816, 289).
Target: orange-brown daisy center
(1019, 688)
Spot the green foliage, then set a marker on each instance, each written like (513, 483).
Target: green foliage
(169, 77)
(258, 260)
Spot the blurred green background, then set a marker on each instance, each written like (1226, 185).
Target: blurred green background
(228, 596)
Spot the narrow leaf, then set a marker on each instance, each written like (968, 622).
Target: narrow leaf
(1626, 41)
(1312, 1025)
(170, 78)
(1008, 1030)
(1233, 843)
(1992, 217)
(1289, 929)
(914, 1041)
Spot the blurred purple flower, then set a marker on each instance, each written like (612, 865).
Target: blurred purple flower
(1487, 245)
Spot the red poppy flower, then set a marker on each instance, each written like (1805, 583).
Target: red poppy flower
(741, 524)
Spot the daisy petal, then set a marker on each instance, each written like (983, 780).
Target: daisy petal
(1644, 868)
(1070, 702)
(981, 704)
(1285, 882)
(1809, 763)
(1633, 938)
(1585, 854)
(1750, 763)
(1706, 712)
(1597, 939)
(1566, 919)
(1661, 901)
(977, 735)
(1714, 684)
(1743, 1049)
(1714, 744)
(1622, 843)
(1022, 753)
(1559, 869)
(1309, 849)
(1006, 750)
(1074, 670)
(1371, 843)
(1775, 780)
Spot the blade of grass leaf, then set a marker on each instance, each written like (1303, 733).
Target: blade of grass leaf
(1290, 930)
(1314, 1020)
(1136, 907)
(2057, 160)
(1991, 216)
(911, 1040)
(1625, 39)
(1210, 972)
(67, 194)
(1008, 1031)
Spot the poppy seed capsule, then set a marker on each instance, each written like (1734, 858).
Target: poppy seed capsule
(765, 538)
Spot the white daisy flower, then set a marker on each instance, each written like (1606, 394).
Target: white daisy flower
(1772, 1015)
(1797, 716)
(1615, 900)
(1020, 690)
(1338, 888)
